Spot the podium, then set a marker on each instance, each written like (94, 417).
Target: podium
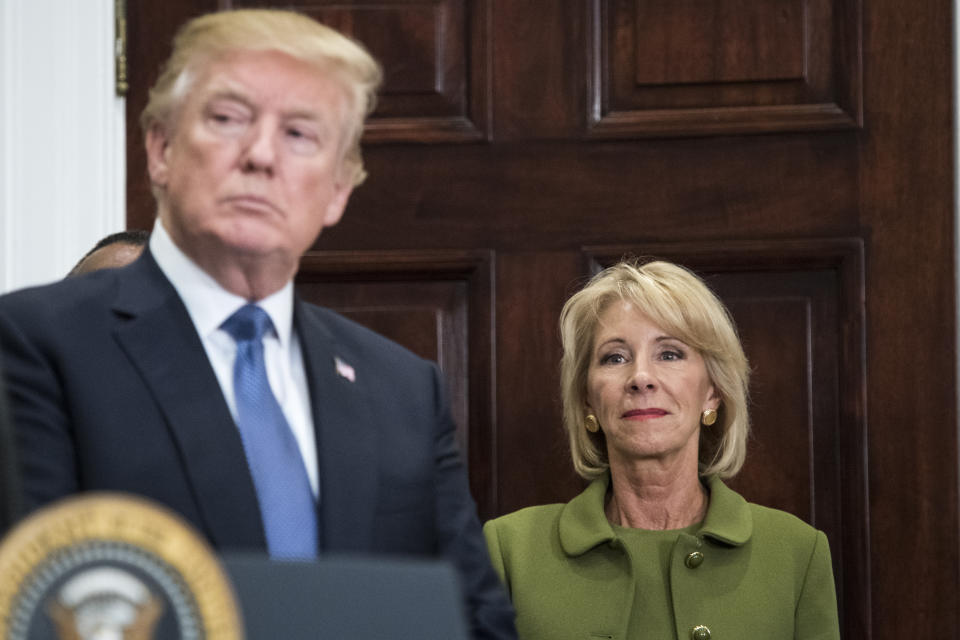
(366, 598)
(118, 566)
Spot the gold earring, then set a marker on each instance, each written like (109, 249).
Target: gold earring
(708, 417)
(591, 423)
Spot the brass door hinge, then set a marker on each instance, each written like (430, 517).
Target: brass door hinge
(120, 46)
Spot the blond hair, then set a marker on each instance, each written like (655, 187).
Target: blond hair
(681, 304)
(207, 38)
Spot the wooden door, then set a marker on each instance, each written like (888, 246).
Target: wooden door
(797, 153)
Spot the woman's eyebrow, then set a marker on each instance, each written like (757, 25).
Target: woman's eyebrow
(611, 340)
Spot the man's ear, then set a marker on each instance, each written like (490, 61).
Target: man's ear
(341, 194)
(157, 144)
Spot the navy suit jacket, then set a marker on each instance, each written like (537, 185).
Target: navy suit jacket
(110, 389)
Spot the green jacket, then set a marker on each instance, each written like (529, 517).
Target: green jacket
(762, 574)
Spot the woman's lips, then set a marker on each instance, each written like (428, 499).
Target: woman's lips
(643, 414)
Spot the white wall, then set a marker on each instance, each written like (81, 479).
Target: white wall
(62, 163)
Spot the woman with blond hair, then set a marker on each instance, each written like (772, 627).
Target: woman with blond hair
(654, 384)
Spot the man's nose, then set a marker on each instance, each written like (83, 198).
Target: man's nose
(260, 151)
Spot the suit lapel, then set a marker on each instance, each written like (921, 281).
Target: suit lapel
(346, 437)
(160, 339)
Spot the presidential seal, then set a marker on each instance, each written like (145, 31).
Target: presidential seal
(112, 567)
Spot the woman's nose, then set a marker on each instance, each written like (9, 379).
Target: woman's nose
(641, 378)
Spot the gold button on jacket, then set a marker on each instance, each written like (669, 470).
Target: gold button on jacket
(700, 632)
(694, 559)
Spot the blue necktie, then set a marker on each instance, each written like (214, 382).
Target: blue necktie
(279, 475)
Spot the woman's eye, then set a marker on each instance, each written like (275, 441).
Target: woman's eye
(671, 355)
(613, 358)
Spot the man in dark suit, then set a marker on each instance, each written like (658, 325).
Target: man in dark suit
(197, 378)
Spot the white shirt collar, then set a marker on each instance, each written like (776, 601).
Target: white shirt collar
(207, 302)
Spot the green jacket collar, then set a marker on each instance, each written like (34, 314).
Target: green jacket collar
(583, 524)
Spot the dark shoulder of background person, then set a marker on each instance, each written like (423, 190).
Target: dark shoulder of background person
(115, 250)
(9, 476)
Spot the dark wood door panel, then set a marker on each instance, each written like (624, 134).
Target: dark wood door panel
(781, 392)
(799, 308)
(571, 113)
(565, 194)
(796, 304)
(724, 41)
(439, 305)
(723, 66)
(150, 29)
(433, 54)
(533, 460)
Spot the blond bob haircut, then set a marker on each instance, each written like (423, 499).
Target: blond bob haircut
(683, 306)
(208, 38)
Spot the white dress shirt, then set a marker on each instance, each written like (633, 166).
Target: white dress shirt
(209, 305)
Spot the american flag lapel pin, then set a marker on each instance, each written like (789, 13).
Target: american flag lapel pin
(344, 370)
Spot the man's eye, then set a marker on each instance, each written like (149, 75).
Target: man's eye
(227, 122)
(302, 141)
